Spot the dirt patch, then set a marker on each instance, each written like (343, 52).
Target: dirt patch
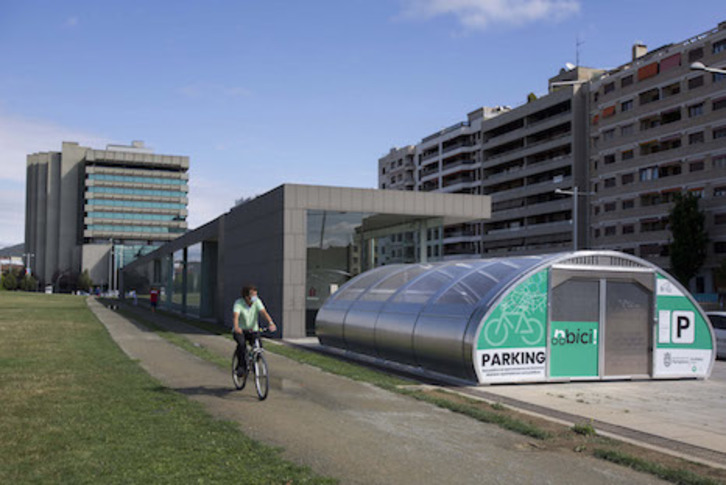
(583, 441)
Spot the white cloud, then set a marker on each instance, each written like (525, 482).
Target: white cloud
(482, 14)
(18, 138)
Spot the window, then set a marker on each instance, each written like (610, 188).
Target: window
(596, 210)
(627, 154)
(695, 82)
(626, 81)
(650, 173)
(608, 135)
(383, 171)
(627, 178)
(610, 231)
(719, 247)
(696, 166)
(609, 87)
(671, 116)
(608, 159)
(594, 142)
(719, 104)
(718, 77)
(649, 123)
(719, 161)
(695, 138)
(671, 90)
(609, 183)
(609, 207)
(628, 204)
(627, 129)
(719, 132)
(695, 110)
(595, 97)
(653, 225)
(626, 105)
(718, 46)
(649, 96)
(719, 191)
(695, 54)
(628, 228)
(597, 232)
(719, 219)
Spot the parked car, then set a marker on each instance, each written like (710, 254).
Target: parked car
(718, 320)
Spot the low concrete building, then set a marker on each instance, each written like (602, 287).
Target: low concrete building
(297, 243)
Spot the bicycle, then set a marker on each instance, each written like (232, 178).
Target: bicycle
(258, 364)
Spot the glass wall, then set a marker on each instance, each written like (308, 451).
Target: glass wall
(178, 280)
(335, 253)
(194, 279)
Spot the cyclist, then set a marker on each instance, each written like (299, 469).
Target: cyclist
(246, 311)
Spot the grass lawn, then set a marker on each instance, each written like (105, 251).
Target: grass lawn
(75, 410)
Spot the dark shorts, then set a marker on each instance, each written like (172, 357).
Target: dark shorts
(153, 304)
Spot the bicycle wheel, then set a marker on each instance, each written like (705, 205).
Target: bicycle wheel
(261, 377)
(496, 332)
(239, 381)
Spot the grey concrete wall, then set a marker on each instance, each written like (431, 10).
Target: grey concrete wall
(253, 253)
(95, 259)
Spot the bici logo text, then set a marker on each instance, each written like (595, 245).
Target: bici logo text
(579, 337)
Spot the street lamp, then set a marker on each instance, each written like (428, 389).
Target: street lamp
(700, 66)
(575, 193)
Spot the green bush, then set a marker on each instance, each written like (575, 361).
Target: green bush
(10, 282)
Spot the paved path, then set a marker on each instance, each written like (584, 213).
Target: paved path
(350, 430)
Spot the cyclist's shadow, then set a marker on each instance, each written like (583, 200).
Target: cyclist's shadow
(215, 391)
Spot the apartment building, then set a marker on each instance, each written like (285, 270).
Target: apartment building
(529, 153)
(658, 128)
(99, 209)
(446, 161)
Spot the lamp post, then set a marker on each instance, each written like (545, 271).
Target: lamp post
(575, 193)
(700, 66)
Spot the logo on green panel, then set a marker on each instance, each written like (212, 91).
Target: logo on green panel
(574, 349)
(520, 318)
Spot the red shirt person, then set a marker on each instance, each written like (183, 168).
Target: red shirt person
(154, 298)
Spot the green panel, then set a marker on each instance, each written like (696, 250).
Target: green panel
(574, 349)
(670, 301)
(520, 319)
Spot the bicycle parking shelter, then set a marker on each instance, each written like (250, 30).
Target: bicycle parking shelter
(586, 315)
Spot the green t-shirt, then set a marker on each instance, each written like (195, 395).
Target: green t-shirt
(248, 314)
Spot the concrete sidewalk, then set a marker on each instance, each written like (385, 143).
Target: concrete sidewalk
(350, 430)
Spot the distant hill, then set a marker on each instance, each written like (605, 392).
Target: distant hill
(10, 251)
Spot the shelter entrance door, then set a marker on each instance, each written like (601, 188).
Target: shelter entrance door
(600, 323)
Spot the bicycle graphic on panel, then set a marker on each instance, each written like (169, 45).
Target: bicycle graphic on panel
(516, 315)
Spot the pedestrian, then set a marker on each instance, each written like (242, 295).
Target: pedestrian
(246, 325)
(135, 298)
(153, 298)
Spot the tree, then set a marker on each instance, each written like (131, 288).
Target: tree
(689, 238)
(531, 97)
(10, 282)
(84, 281)
(28, 283)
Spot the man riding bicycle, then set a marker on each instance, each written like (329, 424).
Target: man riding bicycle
(246, 312)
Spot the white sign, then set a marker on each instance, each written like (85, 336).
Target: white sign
(683, 327)
(512, 365)
(682, 362)
(666, 288)
(664, 326)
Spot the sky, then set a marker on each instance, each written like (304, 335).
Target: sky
(261, 93)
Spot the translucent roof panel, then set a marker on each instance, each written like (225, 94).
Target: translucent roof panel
(358, 285)
(424, 288)
(469, 290)
(386, 288)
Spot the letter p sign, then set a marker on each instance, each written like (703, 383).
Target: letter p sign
(683, 327)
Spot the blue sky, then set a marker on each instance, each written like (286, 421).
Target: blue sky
(259, 93)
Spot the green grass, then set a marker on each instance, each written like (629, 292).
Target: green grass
(682, 477)
(76, 410)
(585, 429)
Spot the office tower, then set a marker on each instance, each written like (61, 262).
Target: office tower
(96, 210)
